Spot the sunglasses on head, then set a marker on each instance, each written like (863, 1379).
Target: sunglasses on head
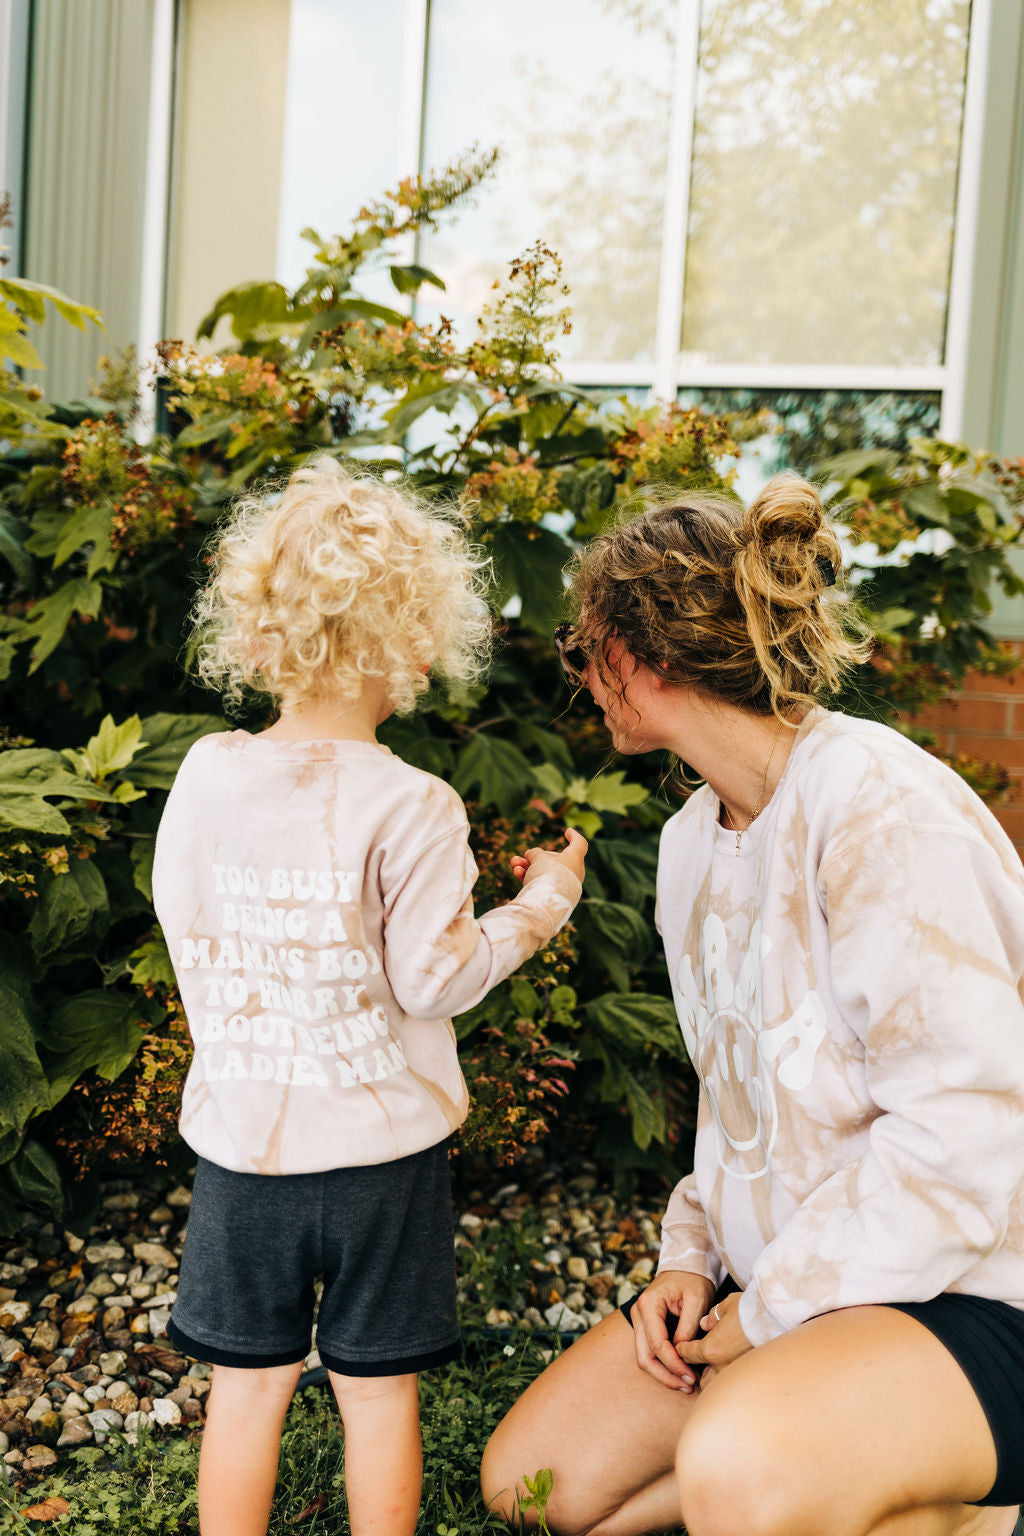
(573, 658)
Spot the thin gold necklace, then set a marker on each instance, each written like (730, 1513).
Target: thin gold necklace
(760, 794)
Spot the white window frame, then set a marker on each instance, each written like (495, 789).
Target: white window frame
(155, 214)
(667, 374)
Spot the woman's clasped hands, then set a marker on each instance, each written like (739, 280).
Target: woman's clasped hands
(680, 1361)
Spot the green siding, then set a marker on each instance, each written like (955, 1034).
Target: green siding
(87, 139)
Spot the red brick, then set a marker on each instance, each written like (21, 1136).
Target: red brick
(1008, 750)
(982, 715)
(1010, 818)
(1012, 686)
(940, 717)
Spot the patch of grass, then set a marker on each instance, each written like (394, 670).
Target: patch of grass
(150, 1488)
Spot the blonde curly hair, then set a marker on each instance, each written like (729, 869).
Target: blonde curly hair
(742, 603)
(340, 579)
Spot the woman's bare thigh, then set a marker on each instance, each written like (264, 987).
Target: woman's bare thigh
(839, 1425)
(605, 1428)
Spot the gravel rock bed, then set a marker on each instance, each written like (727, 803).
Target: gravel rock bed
(83, 1346)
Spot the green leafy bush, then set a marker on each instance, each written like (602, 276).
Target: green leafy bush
(101, 541)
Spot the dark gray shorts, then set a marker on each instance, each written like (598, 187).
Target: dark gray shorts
(380, 1236)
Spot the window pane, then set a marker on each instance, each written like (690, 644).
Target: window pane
(824, 177)
(341, 134)
(801, 428)
(577, 93)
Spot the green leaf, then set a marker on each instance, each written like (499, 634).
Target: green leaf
(618, 1083)
(141, 851)
(926, 504)
(621, 927)
(48, 618)
(587, 822)
(499, 769)
(28, 297)
(168, 738)
(206, 429)
(93, 1030)
(524, 998)
(562, 1006)
(89, 525)
(633, 864)
(30, 774)
(111, 749)
(18, 349)
(430, 394)
(528, 564)
(12, 533)
(636, 1019)
(545, 742)
(610, 792)
(36, 1180)
(649, 1123)
(592, 442)
(411, 740)
(150, 963)
(409, 279)
(24, 1090)
(886, 623)
(856, 463)
(249, 306)
(69, 906)
(551, 782)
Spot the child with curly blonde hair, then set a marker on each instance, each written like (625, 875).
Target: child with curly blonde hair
(315, 892)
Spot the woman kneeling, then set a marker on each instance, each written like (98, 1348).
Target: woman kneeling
(834, 1342)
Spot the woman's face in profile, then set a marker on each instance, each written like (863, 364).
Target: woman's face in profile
(621, 687)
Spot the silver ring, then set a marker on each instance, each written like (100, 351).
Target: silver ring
(718, 1315)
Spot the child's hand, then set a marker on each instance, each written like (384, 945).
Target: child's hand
(526, 866)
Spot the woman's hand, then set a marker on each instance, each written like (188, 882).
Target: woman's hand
(725, 1340)
(685, 1296)
(525, 866)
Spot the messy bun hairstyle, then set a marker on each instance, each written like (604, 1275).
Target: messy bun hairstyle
(341, 578)
(740, 603)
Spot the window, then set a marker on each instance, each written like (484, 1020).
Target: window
(754, 194)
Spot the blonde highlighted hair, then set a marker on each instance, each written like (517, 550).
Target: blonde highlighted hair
(739, 603)
(340, 579)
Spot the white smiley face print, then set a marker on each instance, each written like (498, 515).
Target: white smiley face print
(740, 1062)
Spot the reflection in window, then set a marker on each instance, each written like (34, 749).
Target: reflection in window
(824, 178)
(578, 96)
(801, 428)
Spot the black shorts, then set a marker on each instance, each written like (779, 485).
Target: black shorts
(986, 1339)
(380, 1236)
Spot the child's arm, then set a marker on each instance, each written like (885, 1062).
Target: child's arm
(439, 958)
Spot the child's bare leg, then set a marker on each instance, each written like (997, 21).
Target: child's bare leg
(383, 1452)
(241, 1446)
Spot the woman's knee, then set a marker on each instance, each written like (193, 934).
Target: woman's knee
(730, 1478)
(497, 1483)
(502, 1484)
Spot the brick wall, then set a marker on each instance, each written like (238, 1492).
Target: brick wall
(986, 721)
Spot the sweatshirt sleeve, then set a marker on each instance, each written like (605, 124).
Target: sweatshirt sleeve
(686, 1237)
(440, 959)
(926, 932)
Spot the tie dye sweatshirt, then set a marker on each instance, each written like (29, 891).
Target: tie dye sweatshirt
(316, 899)
(848, 986)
